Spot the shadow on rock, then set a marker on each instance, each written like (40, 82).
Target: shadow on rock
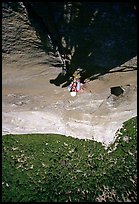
(101, 36)
(60, 79)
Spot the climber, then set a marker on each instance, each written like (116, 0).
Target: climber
(75, 85)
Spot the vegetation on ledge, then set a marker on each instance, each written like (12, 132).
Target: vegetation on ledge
(46, 168)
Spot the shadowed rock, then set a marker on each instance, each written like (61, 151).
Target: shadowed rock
(117, 90)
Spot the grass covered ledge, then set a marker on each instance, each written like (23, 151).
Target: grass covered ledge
(42, 167)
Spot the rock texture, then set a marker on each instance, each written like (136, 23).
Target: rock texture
(104, 47)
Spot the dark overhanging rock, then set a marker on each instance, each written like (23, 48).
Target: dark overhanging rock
(117, 90)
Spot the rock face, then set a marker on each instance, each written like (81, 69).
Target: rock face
(101, 36)
(103, 40)
(20, 42)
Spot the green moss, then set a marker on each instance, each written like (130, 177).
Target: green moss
(42, 167)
